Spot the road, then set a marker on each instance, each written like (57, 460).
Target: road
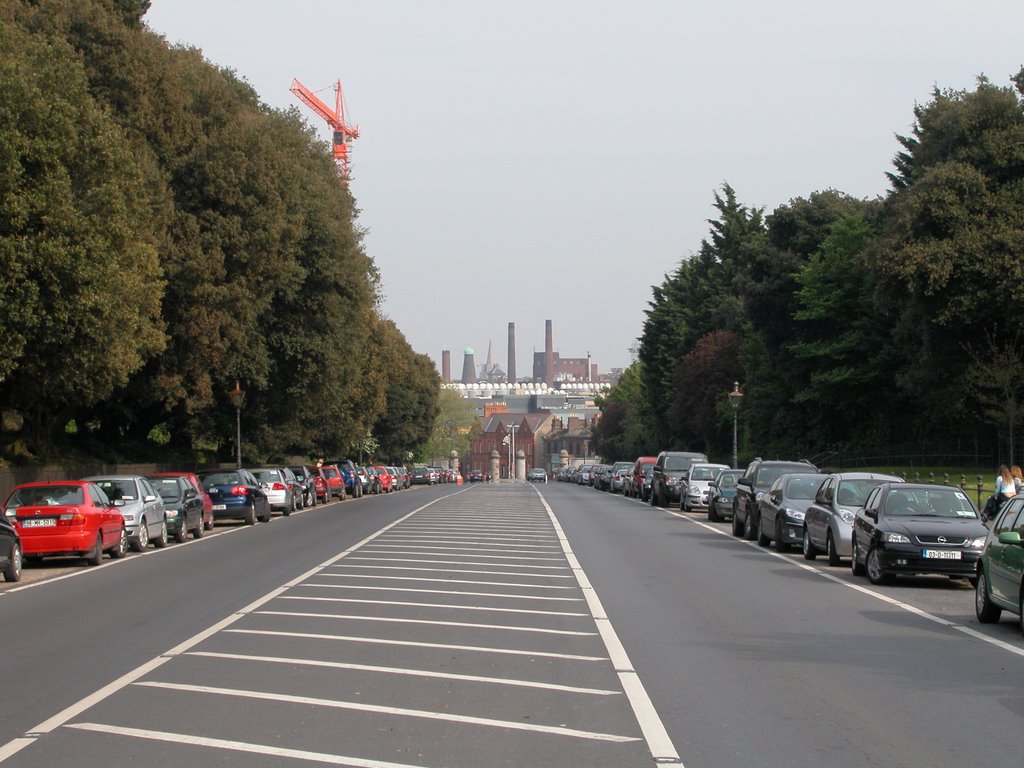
(498, 625)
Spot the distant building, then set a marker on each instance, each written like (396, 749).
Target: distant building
(565, 368)
(530, 429)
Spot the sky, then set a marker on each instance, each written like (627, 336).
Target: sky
(555, 159)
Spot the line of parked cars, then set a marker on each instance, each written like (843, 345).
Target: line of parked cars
(112, 514)
(879, 524)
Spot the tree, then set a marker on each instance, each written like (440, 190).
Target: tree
(455, 426)
(700, 380)
(623, 430)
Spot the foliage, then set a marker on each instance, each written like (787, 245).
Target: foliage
(622, 432)
(454, 427)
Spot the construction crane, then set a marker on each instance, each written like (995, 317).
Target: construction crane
(343, 132)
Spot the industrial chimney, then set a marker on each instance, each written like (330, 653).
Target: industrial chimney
(446, 366)
(468, 367)
(512, 353)
(549, 355)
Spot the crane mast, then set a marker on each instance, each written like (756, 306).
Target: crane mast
(342, 133)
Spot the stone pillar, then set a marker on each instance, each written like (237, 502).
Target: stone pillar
(495, 465)
(520, 464)
(563, 458)
(453, 460)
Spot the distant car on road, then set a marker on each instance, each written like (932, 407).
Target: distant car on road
(537, 476)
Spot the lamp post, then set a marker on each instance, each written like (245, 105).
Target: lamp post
(512, 452)
(237, 397)
(734, 398)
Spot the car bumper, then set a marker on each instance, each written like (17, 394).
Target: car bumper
(231, 510)
(63, 543)
(910, 559)
(792, 531)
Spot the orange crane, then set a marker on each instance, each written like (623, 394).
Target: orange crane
(343, 132)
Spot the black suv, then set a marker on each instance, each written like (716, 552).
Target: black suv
(756, 480)
(668, 478)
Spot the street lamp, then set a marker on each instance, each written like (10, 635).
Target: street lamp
(237, 397)
(735, 397)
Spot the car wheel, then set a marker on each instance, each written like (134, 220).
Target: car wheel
(873, 568)
(182, 532)
(750, 526)
(855, 565)
(289, 507)
(762, 540)
(95, 555)
(810, 553)
(780, 545)
(986, 611)
(250, 515)
(142, 540)
(737, 526)
(208, 525)
(830, 550)
(265, 517)
(13, 570)
(161, 540)
(197, 532)
(122, 545)
(713, 516)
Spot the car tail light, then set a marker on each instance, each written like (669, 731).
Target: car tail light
(74, 517)
(239, 490)
(278, 487)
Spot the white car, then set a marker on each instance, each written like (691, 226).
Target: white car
(537, 476)
(695, 496)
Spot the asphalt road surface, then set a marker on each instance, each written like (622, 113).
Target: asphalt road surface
(497, 625)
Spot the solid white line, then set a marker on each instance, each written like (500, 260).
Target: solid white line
(415, 644)
(77, 708)
(288, 660)
(659, 743)
(238, 746)
(443, 581)
(478, 536)
(454, 570)
(450, 606)
(400, 711)
(365, 588)
(396, 620)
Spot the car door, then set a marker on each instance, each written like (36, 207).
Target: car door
(865, 521)
(152, 506)
(260, 499)
(816, 517)
(769, 505)
(1001, 557)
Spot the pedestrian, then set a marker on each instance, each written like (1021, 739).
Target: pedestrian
(1005, 487)
(1018, 478)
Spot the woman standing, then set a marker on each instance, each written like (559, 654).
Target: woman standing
(1005, 487)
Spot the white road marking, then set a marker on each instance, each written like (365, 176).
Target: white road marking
(289, 660)
(417, 644)
(453, 570)
(402, 712)
(475, 550)
(659, 743)
(445, 550)
(397, 620)
(448, 606)
(363, 587)
(450, 562)
(443, 581)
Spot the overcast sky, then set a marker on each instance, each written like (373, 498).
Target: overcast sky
(553, 159)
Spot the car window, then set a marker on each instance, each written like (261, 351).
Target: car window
(99, 498)
(852, 493)
(929, 502)
(221, 478)
(118, 489)
(168, 488)
(702, 473)
(1008, 519)
(267, 475)
(802, 487)
(727, 480)
(872, 500)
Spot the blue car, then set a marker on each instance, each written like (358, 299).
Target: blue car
(236, 495)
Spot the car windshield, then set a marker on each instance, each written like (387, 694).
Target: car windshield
(267, 475)
(768, 475)
(49, 496)
(119, 489)
(677, 463)
(929, 502)
(167, 487)
(702, 473)
(851, 493)
(801, 487)
(330, 472)
(221, 478)
(727, 479)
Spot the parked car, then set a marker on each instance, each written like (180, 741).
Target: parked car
(396, 478)
(617, 476)
(350, 476)
(696, 492)
(722, 494)
(913, 528)
(583, 478)
(236, 494)
(755, 481)
(423, 476)
(781, 511)
(635, 481)
(183, 506)
(306, 479)
(1000, 576)
(828, 521)
(537, 475)
(383, 478)
(335, 481)
(645, 482)
(66, 517)
(10, 549)
(140, 505)
(320, 485)
(193, 478)
(476, 476)
(671, 470)
(279, 490)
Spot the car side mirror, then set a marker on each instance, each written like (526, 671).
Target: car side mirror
(190, 494)
(1010, 537)
(117, 503)
(872, 514)
(148, 499)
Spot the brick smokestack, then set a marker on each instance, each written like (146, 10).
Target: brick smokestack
(549, 354)
(512, 352)
(446, 366)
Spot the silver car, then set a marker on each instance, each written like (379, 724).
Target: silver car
(140, 506)
(695, 494)
(278, 487)
(828, 522)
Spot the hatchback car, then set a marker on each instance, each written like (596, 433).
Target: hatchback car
(781, 510)
(383, 478)
(10, 550)
(828, 521)
(722, 494)
(183, 506)
(193, 478)
(1000, 576)
(280, 489)
(70, 517)
(537, 475)
(236, 494)
(913, 528)
(141, 506)
(335, 481)
(696, 492)
(305, 478)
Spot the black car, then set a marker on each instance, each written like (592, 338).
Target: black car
(183, 506)
(10, 551)
(668, 478)
(304, 476)
(913, 528)
(756, 480)
(781, 510)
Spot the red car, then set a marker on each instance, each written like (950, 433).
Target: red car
(67, 517)
(384, 477)
(207, 501)
(335, 481)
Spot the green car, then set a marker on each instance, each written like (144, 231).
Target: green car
(1001, 568)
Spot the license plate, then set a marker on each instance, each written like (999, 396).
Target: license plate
(941, 554)
(46, 522)
(217, 507)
